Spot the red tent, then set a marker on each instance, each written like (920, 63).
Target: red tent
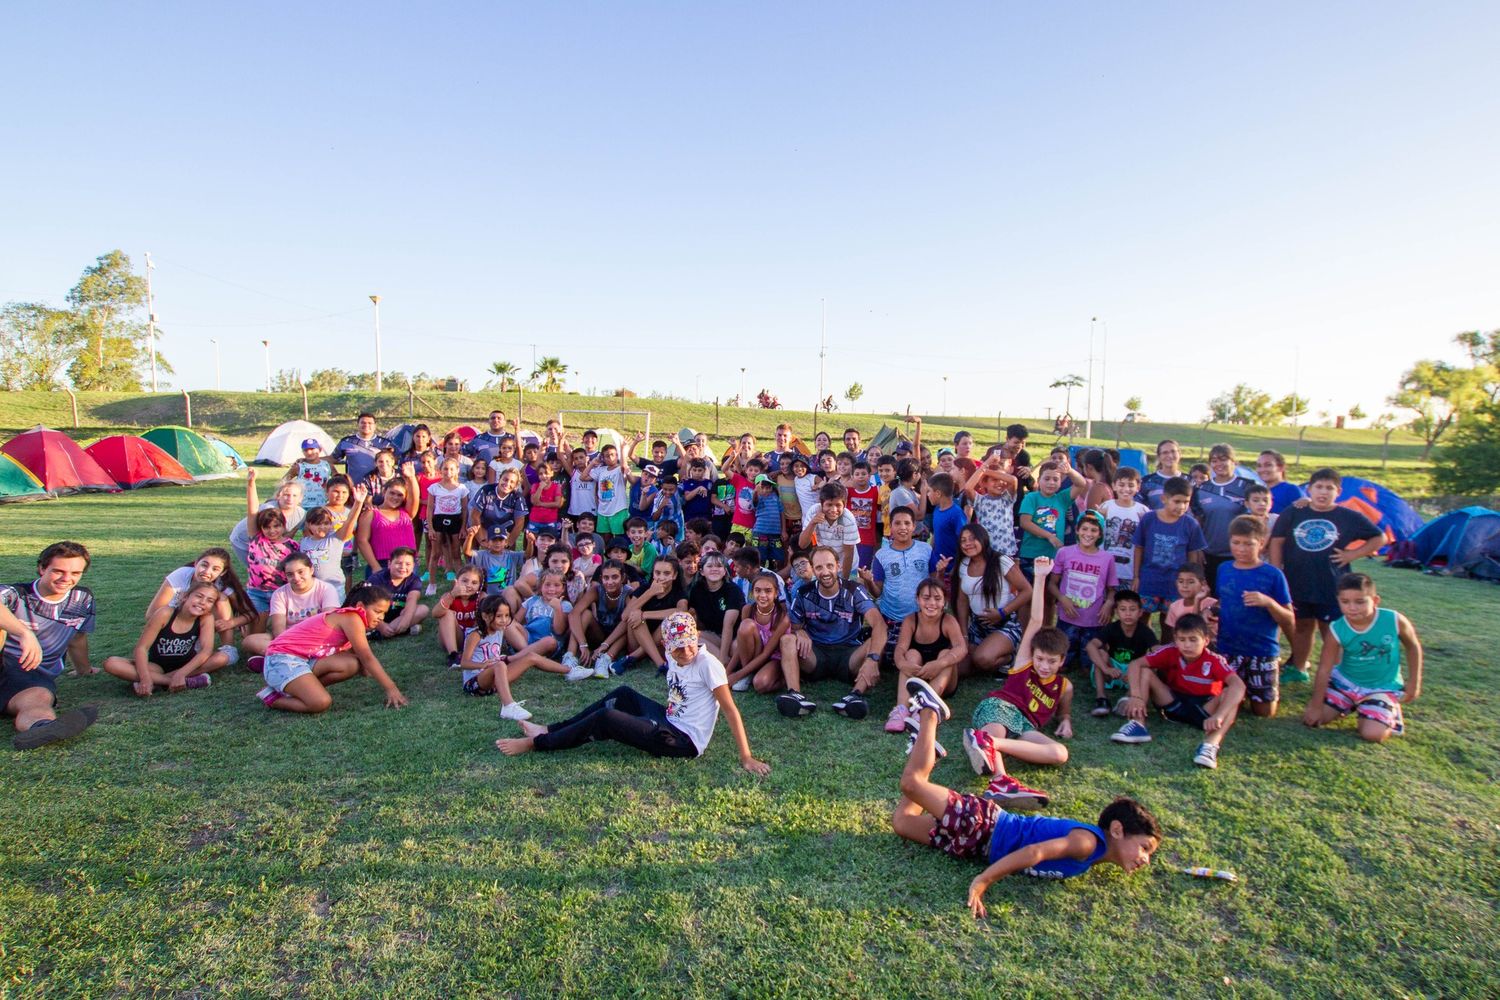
(466, 432)
(56, 460)
(134, 462)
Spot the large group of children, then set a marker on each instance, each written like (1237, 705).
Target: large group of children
(1165, 595)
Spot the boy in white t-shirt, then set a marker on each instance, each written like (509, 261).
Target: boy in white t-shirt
(1122, 521)
(612, 491)
(834, 527)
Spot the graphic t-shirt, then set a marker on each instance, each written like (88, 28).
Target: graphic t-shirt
(863, 504)
(1036, 696)
(691, 706)
(54, 623)
(325, 554)
(1311, 538)
(1164, 548)
(899, 572)
(499, 569)
(1047, 513)
(1123, 648)
(444, 501)
(320, 597)
(1122, 524)
(1372, 658)
(744, 502)
(1084, 580)
(613, 493)
(314, 478)
(1243, 630)
(539, 622)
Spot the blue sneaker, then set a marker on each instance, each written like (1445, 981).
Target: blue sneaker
(1131, 732)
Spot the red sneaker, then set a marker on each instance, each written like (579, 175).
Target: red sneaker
(981, 750)
(1013, 795)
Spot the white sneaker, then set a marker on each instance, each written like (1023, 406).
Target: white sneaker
(743, 684)
(569, 660)
(415, 630)
(232, 653)
(431, 590)
(578, 673)
(514, 712)
(602, 665)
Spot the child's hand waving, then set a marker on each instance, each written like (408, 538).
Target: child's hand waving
(1041, 566)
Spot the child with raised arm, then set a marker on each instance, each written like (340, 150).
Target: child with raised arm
(1082, 585)
(270, 542)
(176, 648)
(1187, 683)
(390, 526)
(302, 662)
(447, 508)
(302, 596)
(1360, 670)
(1010, 720)
(697, 691)
(992, 489)
(486, 655)
(968, 826)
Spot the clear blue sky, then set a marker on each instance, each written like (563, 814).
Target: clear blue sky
(662, 193)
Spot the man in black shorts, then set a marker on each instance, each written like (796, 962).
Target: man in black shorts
(43, 620)
(830, 619)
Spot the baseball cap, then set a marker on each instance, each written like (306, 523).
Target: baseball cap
(763, 479)
(652, 470)
(678, 631)
(312, 443)
(904, 448)
(944, 451)
(498, 531)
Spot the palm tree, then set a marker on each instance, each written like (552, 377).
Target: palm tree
(1070, 383)
(551, 371)
(504, 373)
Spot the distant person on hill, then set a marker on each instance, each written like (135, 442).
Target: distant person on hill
(358, 450)
(1360, 670)
(42, 620)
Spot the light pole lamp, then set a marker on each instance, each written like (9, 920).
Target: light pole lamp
(379, 381)
(266, 344)
(218, 379)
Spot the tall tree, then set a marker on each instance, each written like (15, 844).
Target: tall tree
(1484, 353)
(550, 371)
(1439, 392)
(1068, 382)
(36, 342)
(854, 391)
(505, 373)
(105, 304)
(1469, 465)
(1241, 405)
(1291, 406)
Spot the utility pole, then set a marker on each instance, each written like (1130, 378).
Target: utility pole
(945, 395)
(266, 344)
(1103, 367)
(151, 319)
(822, 353)
(218, 379)
(379, 379)
(742, 385)
(1088, 420)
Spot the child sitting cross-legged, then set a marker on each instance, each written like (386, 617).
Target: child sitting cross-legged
(1009, 721)
(1187, 683)
(968, 826)
(1110, 652)
(486, 656)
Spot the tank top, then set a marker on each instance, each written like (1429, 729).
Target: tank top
(929, 650)
(973, 586)
(317, 636)
(1372, 658)
(1036, 698)
(389, 534)
(172, 650)
(606, 612)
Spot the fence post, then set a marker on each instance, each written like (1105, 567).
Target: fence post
(716, 416)
(1300, 431)
(303, 386)
(520, 401)
(74, 400)
(1385, 447)
(187, 402)
(411, 401)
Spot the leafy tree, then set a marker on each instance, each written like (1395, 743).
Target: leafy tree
(329, 380)
(1291, 406)
(1133, 408)
(505, 373)
(1068, 382)
(36, 341)
(114, 346)
(1470, 464)
(1356, 412)
(1483, 350)
(550, 372)
(854, 391)
(286, 381)
(1241, 405)
(1439, 392)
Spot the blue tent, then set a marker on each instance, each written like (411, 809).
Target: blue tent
(1397, 518)
(1461, 541)
(235, 459)
(1130, 458)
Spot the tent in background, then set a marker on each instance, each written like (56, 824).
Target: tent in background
(17, 483)
(608, 435)
(57, 462)
(283, 446)
(465, 431)
(134, 462)
(235, 459)
(1391, 514)
(192, 450)
(1130, 458)
(1464, 542)
(400, 438)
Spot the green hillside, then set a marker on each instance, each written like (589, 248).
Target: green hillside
(245, 417)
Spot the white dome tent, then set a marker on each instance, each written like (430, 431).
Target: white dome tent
(283, 446)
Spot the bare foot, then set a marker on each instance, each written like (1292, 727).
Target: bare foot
(514, 748)
(532, 730)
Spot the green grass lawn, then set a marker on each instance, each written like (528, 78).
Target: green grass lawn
(200, 845)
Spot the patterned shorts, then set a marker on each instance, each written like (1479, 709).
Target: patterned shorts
(998, 711)
(1079, 637)
(979, 630)
(1151, 604)
(1261, 674)
(471, 685)
(1383, 707)
(966, 826)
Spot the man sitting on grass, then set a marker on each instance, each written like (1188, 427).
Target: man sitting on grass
(967, 826)
(41, 620)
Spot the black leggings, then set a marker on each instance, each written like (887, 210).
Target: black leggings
(625, 716)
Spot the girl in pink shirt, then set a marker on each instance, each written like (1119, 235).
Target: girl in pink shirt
(304, 661)
(384, 529)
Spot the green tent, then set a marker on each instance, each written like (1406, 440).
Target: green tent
(17, 483)
(196, 453)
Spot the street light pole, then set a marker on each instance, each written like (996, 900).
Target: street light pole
(945, 395)
(1103, 365)
(379, 381)
(742, 385)
(151, 319)
(218, 378)
(1088, 420)
(267, 345)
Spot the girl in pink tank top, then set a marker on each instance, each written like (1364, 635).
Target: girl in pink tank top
(301, 663)
(388, 527)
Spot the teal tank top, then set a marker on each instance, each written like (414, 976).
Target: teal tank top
(1372, 658)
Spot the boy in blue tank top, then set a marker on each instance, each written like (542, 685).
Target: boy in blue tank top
(1360, 670)
(967, 826)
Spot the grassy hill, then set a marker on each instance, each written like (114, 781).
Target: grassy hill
(245, 417)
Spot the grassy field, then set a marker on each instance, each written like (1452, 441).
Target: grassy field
(199, 845)
(245, 417)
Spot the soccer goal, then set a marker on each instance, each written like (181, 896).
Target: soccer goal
(604, 420)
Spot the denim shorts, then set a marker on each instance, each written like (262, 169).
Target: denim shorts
(283, 668)
(260, 599)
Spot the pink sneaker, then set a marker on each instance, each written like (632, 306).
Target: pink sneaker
(268, 695)
(896, 721)
(1011, 794)
(256, 664)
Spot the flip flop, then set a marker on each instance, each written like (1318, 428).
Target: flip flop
(64, 727)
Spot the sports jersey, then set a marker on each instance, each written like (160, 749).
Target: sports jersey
(831, 621)
(54, 623)
(1036, 696)
(1204, 677)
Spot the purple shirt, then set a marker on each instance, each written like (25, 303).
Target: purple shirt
(1084, 581)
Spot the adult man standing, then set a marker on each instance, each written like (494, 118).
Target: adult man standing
(357, 451)
(486, 444)
(783, 445)
(852, 443)
(1167, 456)
(43, 620)
(824, 642)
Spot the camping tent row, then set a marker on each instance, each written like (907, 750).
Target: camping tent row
(42, 462)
